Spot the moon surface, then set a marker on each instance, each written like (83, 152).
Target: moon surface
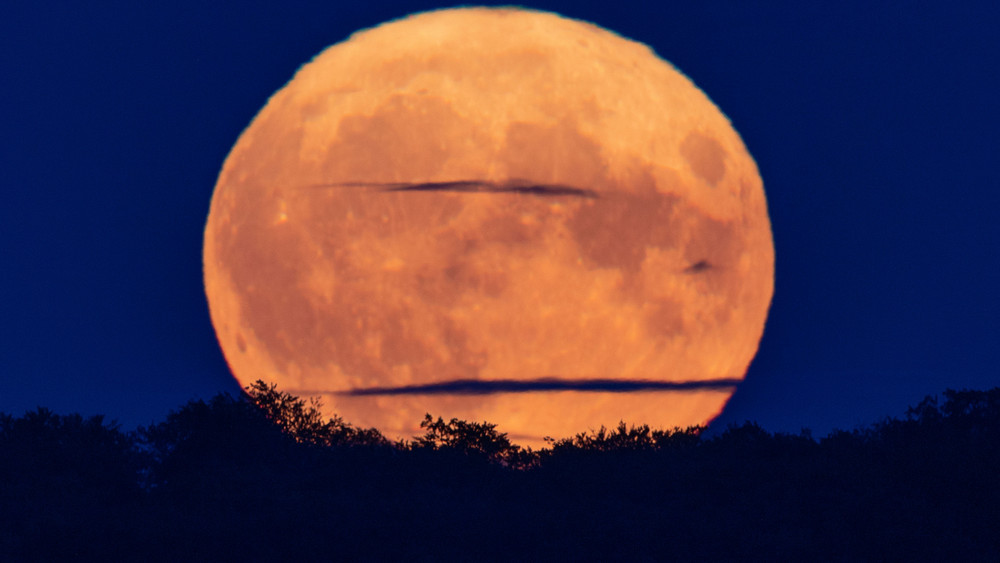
(491, 214)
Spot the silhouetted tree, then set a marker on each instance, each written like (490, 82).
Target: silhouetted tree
(67, 486)
(225, 439)
(478, 440)
(305, 422)
(630, 438)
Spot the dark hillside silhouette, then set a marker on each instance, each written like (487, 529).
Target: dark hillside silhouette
(265, 476)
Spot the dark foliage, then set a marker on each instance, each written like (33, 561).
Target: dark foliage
(473, 441)
(305, 423)
(68, 484)
(265, 476)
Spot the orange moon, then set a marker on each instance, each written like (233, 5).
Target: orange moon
(492, 214)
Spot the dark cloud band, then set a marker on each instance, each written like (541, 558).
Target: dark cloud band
(478, 387)
(475, 186)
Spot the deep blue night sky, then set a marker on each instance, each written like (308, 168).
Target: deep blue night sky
(875, 130)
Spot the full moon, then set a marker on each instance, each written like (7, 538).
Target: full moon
(496, 215)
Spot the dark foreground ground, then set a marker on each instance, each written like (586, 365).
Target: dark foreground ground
(264, 477)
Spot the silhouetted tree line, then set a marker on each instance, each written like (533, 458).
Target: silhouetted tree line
(265, 476)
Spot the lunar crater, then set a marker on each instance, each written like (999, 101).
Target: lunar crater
(705, 156)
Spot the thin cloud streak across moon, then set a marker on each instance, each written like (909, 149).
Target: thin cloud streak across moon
(490, 387)
(474, 186)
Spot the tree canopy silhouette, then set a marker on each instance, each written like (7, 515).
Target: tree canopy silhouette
(305, 422)
(264, 475)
